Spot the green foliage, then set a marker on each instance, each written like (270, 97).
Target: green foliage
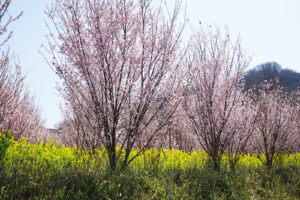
(6, 140)
(51, 171)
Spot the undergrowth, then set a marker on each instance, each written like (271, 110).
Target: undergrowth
(53, 171)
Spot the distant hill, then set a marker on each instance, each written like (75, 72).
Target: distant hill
(53, 130)
(270, 71)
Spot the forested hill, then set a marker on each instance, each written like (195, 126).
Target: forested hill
(270, 71)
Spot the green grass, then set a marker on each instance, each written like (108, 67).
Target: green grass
(52, 171)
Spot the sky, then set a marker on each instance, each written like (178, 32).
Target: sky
(269, 31)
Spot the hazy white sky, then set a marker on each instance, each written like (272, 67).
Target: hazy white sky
(270, 31)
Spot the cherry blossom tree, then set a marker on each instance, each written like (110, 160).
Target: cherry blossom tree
(298, 128)
(276, 129)
(214, 98)
(241, 128)
(17, 110)
(74, 132)
(174, 135)
(5, 20)
(119, 62)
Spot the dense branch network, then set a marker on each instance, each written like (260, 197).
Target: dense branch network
(119, 62)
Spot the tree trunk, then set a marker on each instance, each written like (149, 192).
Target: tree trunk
(112, 157)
